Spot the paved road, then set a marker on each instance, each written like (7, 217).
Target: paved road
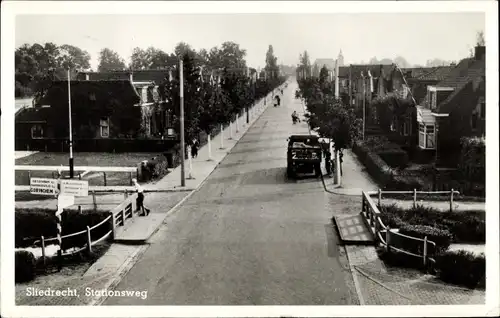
(248, 236)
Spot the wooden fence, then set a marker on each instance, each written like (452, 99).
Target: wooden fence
(389, 238)
(117, 219)
(415, 193)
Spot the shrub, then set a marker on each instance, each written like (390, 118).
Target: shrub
(25, 266)
(33, 223)
(441, 237)
(395, 258)
(395, 158)
(462, 268)
(465, 226)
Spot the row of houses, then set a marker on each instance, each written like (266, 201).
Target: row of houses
(449, 101)
(105, 105)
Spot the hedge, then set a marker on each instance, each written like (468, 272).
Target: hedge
(395, 158)
(462, 268)
(374, 164)
(464, 226)
(25, 266)
(31, 224)
(441, 237)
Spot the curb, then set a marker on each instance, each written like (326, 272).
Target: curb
(357, 286)
(130, 262)
(122, 271)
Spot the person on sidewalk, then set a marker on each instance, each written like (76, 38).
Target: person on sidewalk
(340, 163)
(194, 149)
(140, 199)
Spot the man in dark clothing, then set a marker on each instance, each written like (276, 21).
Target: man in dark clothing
(340, 157)
(194, 149)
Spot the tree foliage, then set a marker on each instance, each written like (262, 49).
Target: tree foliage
(110, 60)
(326, 114)
(37, 65)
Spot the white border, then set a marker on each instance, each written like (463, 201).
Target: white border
(10, 9)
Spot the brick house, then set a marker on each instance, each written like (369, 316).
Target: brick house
(102, 109)
(453, 108)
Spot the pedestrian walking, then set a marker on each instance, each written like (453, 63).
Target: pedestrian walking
(140, 199)
(194, 149)
(340, 166)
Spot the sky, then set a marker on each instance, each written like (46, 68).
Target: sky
(417, 37)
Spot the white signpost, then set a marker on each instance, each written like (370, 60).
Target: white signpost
(65, 190)
(43, 186)
(77, 188)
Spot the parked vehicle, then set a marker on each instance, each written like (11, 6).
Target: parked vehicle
(304, 155)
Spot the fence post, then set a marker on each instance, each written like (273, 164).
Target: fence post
(89, 241)
(388, 239)
(130, 175)
(451, 200)
(123, 216)
(80, 209)
(105, 181)
(29, 175)
(414, 198)
(363, 202)
(113, 225)
(379, 196)
(425, 250)
(43, 250)
(94, 201)
(79, 176)
(125, 194)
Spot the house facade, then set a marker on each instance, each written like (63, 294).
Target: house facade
(105, 106)
(453, 108)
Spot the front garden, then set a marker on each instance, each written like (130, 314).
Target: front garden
(32, 224)
(444, 228)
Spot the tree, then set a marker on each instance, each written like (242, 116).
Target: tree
(272, 68)
(480, 39)
(151, 58)
(109, 60)
(37, 65)
(402, 62)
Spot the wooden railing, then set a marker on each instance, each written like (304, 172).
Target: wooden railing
(380, 193)
(386, 236)
(118, 218)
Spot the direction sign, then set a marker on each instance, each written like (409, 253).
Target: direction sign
(78, 188)
(43, 186)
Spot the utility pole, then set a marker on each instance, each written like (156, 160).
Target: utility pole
(183, 152)
(71, 163)
(364, 105)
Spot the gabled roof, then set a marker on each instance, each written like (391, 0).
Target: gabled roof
(119, 89)
(344, 71)
(460, 77)
(435, 73)
(328, 62)
(356, 70)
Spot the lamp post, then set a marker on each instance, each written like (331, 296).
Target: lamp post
(181, 95)
(71, 163)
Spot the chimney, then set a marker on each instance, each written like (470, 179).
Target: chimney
(479, 52)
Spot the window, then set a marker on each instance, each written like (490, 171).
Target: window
(104, 125)
(482, 110)
(473, 119)
(433, 100)
(406, 128)
(426, 136)
(36, 132)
